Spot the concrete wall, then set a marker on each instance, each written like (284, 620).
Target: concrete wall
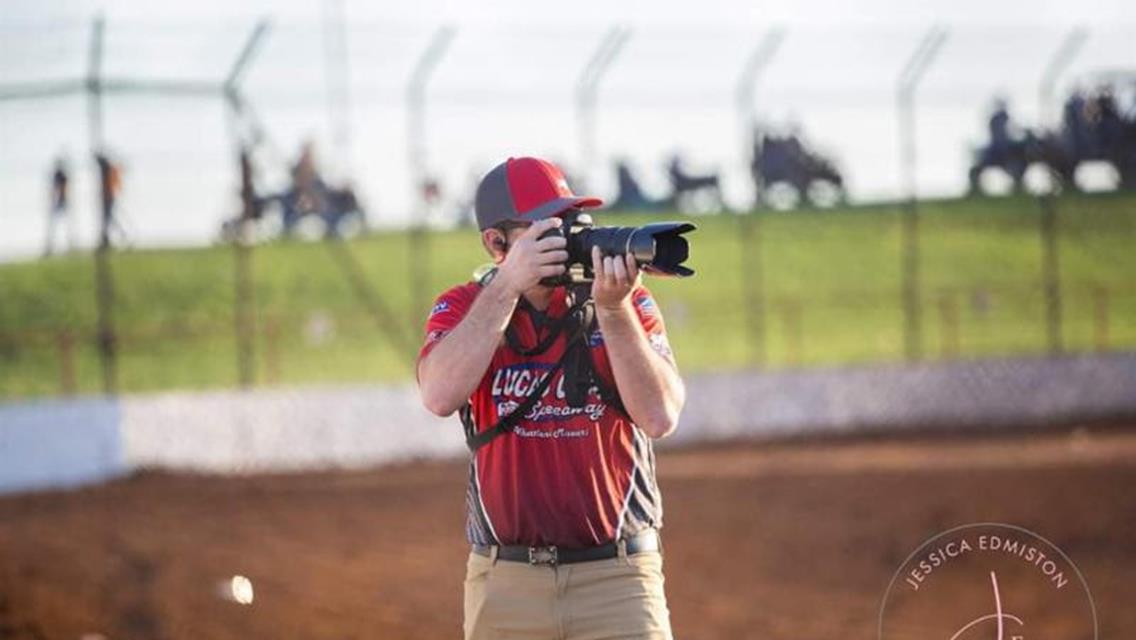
(980, 394)
(59, 443)
(284, 429)
(66, 442)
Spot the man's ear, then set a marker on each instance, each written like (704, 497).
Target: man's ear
(495, 244)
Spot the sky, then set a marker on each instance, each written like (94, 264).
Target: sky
(505, 87)
(588, 12)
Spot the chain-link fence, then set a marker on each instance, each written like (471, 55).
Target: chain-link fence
(403, 108)
(782, 304)
(773, 290)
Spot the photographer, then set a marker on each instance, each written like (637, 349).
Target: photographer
(561, 387)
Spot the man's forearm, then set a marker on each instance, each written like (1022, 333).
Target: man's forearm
(649, 386)
(453, 368)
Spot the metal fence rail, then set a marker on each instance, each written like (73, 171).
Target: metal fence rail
(810, 330)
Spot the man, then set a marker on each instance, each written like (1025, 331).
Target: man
(307, 184)
(563, 508)
(58, 213)
(110, 186)
(1001, 140)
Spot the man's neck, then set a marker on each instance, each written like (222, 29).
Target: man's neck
(539, 297)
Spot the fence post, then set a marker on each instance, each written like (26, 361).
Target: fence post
(104, 278)
(65, 342)
(909, 78)
(948, 324)
(272, 349)
(419, 259)
(1051, 274)
(337, 83)
(753, 285)
(791, 318)
(244, 317)
(912, 320)
(1100, 318)
(244, 303)
(754, 66)
(1070, 46)
(586, 94)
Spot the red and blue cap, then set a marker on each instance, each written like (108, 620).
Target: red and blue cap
(525, 189)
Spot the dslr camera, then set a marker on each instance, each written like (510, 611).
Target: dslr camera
(659, 248)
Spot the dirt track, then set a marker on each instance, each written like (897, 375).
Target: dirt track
(776, 541)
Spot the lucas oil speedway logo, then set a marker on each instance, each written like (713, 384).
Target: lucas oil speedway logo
(513, 384)
(987, 581)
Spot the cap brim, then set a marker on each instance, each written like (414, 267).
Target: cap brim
(559, 206)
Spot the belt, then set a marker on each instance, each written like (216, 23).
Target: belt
(647, 540)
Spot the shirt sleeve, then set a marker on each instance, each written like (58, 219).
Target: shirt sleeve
(652, 320)
(445, 315)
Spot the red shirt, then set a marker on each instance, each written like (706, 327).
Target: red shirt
(569, 476)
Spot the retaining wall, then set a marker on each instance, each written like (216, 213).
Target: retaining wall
(60, 443)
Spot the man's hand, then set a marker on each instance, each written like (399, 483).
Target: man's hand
(530, 258)
(615, 278)
(648, 384)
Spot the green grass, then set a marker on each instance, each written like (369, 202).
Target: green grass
(830, 286)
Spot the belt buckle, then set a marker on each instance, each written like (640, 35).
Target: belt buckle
(543, 555)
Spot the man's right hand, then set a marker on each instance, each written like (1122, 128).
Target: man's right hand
(530, 258)
(450, 373)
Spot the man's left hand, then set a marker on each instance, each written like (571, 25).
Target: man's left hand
(615, 278)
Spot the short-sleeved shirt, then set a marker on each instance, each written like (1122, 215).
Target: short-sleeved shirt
(568, 476)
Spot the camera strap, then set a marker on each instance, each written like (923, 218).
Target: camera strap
(576, 361)
(476, 440)
(579, 368)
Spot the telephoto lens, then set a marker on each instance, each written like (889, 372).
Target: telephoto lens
(659, 248)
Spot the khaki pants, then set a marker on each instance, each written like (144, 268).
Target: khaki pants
(600, 600)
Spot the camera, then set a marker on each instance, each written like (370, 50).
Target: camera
(659, 248)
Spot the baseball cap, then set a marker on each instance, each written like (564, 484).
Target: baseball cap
(525, 189)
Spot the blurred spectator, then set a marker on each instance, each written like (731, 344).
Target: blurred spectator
(1006, 150)
(794, 148)
(1073, 116)
(58, 215)
(1001, 142)
(631, 196)
(308, 197)
(1109, 126)
(431, 191)
(307, 185)
(684, 182)
(110, 186)
(788, 161)
(686, 186)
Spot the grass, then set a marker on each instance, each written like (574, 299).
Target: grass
(829, 282)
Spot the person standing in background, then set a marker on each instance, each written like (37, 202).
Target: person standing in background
(110, 186)
(57, 214)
